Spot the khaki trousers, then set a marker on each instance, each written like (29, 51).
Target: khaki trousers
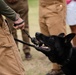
(52, 18)
(10, 60)
(21, 7)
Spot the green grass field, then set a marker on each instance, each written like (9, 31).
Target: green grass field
(33, 16)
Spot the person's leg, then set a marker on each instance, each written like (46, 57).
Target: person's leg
(73, 30)
(24, 16)
(10, 60)
(21, 7)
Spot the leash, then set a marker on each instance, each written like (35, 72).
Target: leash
(37, 47)
(24, 42)
(33, 39)
(37, 44)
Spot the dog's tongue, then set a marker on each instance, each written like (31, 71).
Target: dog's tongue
(44, 48)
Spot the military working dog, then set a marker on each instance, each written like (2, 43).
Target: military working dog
(60, 50)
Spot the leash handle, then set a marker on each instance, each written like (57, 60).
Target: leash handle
(18, 23)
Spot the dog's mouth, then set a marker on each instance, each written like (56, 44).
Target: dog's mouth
(45, 47)
(40, 43)
(42, 47)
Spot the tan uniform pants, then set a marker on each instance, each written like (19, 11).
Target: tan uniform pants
(21, 7)
(10, 60)
(52, 18)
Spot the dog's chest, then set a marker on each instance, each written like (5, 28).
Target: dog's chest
(71, 65)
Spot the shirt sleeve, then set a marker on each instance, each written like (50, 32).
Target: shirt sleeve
(7, 11)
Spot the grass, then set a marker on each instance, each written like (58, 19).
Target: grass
(33, 3)
(33, 16)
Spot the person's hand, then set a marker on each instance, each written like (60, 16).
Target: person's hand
(19, 24)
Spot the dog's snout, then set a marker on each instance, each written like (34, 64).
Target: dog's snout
(37, 34)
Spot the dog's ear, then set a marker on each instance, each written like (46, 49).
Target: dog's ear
(61, 35)
(69, 37)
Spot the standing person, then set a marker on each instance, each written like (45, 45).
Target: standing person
(71, 18)
(52, 22)
(10, 60)
(21, 7)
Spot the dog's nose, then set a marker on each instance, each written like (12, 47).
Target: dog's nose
(37, 34)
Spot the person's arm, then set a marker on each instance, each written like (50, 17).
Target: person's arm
(11, 14)
(11, 1)
(7, 11)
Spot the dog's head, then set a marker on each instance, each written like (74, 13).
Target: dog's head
(59, 46)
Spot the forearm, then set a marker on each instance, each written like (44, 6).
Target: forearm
(7, 11)
(11, 14)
